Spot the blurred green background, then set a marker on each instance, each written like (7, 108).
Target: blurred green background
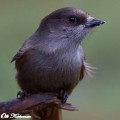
(97, 98)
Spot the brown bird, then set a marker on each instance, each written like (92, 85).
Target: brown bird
(52, 59)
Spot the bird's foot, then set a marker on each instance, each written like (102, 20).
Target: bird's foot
(22, 94)
(63, 95)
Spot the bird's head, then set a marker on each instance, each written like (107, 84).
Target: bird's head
(69, 23)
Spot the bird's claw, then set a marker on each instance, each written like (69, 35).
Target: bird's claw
(22, 94)
(63, 95)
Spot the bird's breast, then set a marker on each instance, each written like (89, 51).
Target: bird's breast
(48, 72)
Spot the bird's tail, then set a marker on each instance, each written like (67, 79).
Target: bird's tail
(47, 113)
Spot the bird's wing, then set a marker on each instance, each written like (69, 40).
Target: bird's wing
(82, 71)
(17, 56)
(27, 45)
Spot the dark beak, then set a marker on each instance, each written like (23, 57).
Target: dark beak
(94, 23)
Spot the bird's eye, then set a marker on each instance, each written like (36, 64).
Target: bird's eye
(73, 19)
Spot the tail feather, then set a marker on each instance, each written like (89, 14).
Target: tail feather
(48, 113)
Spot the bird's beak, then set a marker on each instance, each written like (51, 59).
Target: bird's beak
(92, 22)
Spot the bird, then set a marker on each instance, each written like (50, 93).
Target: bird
(52, 58)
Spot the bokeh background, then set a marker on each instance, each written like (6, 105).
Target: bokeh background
(97, 98)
